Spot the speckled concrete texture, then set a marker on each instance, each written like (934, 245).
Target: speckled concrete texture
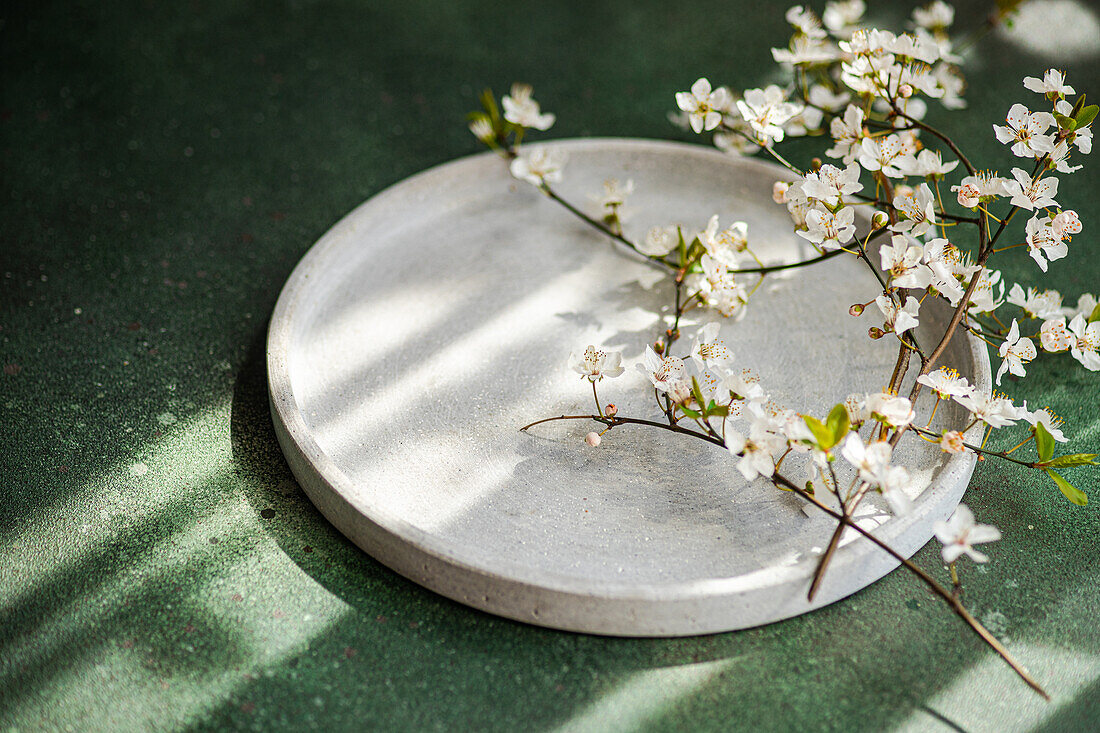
(164, 166)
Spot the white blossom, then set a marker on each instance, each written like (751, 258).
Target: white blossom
(899, 320)
(520, 109)
(1045, 242)
(1051, 422)
(936, 16)
(918, 210)
(1054, 336)
(679, 391)
(855, 406)
(889, 408)
(869, 459)
(1086, 304)
(709, 350)
(766, 110)
(929, 163)
(755, 450)
(994, 410)
(829, 230)
(949, 79)
(805, 22)
(1031, 194)
(482, 129)
(725, 245)
(980, 188)
(1015, 352)
(1026, 132)
(721, 290)
(806, 50)
(659, 241)
(901, 259)
(946, 383)
(1053, 84)
(989, 292)
(847, 132)
(830, 183)
(1059, 158)
(614, 193)
(596, 364)
(702, 105)
(960, 533)
(842, 16)
(745, 386)
(894, 483)
(952, 442)
(1086, 342)
(947, 268)
(1036, 303)
(662, 372)
(891, 155)
(539, 166)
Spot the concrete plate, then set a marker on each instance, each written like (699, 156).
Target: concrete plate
(426, 327)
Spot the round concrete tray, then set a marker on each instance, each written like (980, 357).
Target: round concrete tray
(425, 328)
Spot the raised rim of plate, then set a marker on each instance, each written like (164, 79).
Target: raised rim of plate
(567, 602)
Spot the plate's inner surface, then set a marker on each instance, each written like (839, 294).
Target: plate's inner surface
(437, 320)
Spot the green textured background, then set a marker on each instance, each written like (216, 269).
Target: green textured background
(166, 164)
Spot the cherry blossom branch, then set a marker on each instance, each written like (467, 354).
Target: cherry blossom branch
(545, 188)
(844, 521)
(612, 422)
(950, 598)
(978, 449)
(946, 140)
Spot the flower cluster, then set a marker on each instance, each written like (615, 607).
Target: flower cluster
(878, 198)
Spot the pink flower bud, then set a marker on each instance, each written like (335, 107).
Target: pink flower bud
(593, 439)
(952, 442)
(880, 219)
(905, 91)
(611, 410)
(875, 332)
(779, 192)
(856, 309)
(969, 196)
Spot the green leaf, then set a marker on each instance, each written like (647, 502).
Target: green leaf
(489, 102)
(837, 422)
(822, 434)
(690, 412)
(718, 410)
(1087, 115)
(1065, 123)
(1095, 315)
(1072, 493)
(1044, 442)
(1073, 459)
(697, 393)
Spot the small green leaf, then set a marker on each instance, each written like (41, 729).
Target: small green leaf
(489, 102)
(1073, 459)
(822, 434)
(1072, 493)
(690, 412)
(718, 410)
(1065, 123)
(1087, 115)
(1095, 315)
(1044, 442)
(837, 422)
(697, 393)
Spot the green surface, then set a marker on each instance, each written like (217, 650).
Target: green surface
(164, 167)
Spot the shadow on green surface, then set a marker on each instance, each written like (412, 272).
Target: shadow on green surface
(429, 661)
